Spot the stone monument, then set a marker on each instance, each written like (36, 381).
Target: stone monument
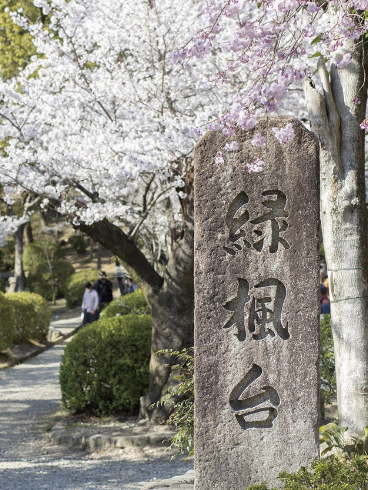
(256, 308)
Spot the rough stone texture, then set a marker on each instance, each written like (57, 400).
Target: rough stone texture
(256, 410)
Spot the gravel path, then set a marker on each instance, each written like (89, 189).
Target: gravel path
(28, 393)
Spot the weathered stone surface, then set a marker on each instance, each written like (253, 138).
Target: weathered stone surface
(257, 309)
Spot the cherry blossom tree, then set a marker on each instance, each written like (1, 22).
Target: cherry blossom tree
(100, 126)
(278, 43)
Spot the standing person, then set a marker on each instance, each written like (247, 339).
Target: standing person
(90, 304)
(130, 287)
(325, 302)
(104, 290)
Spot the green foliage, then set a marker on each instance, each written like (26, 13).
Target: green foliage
(37, 252)
(74, 288)
(2, 285)
(326, 474)
(327, 361)
(130, 304)
(30, 316)
(42, 281)
(16, 46)
(182, 396)
(333, 437)
(43, 315)
(6, 323)
(105, 367)
(77, 243)
(7, 256)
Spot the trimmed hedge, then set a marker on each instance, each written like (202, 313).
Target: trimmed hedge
(39, 280)
(130, 304)
(6, 323)
(77, 243)
(31, 316)
(43, 315)
(34, 253)
(74, 288)
(105, 367)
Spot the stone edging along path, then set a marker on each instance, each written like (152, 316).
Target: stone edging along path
(107, 437)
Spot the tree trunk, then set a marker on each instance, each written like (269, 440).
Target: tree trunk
(99, 256)
(170, 297)
(172, 317)
(20, 280)
(29, 232)
(91, 243)
(335, 119)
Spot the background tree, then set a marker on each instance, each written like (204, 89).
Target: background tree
(104, 134)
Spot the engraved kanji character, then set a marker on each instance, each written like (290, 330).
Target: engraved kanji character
(264, 310)
(277, 207)
(246, 407)
(234, 224)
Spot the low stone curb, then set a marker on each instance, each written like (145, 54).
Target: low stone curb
(39, 350)
(183, 482)
(101, 441)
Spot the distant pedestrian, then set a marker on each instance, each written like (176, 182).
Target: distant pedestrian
(90, 304)
(130, 287)
(325, 302)
(104, 290)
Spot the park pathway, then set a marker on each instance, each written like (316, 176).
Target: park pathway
(28, 393)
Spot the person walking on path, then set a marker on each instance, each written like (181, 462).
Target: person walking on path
(104, 290)
(90, 304)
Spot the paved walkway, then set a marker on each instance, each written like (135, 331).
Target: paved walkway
(29, 392)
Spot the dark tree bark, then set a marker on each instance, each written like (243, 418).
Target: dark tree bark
(29, 232)
(20, 278)
(170, 296)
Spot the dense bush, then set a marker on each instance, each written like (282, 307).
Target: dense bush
(77, 243)
(43, 315)
(7, 256)
(40, 280)
(37, 252)
(74, 288)
(105, 367)
(327, 370)
(6, 323)
(326, 474)
(130, 304)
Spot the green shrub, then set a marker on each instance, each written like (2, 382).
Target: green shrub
(2, 285)
(6, 323)
(43, 315)
(182, 396)
(327, 370)
(77, 243)
(37, 252)
(74, 288)
(24, 316)
(326, 474)
(7, 255)
(130, 304)
(40, 280)
(105, 367)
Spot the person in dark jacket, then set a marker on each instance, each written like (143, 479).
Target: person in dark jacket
(325, 302)
(104, 289)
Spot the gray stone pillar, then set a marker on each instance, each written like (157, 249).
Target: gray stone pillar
(256, 308)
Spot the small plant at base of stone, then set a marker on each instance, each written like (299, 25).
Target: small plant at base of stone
(325, 474)
(183, 416)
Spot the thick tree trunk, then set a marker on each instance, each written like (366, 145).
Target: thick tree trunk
(171, 298)
(172, 317)
(335, 117)
(20, 280)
